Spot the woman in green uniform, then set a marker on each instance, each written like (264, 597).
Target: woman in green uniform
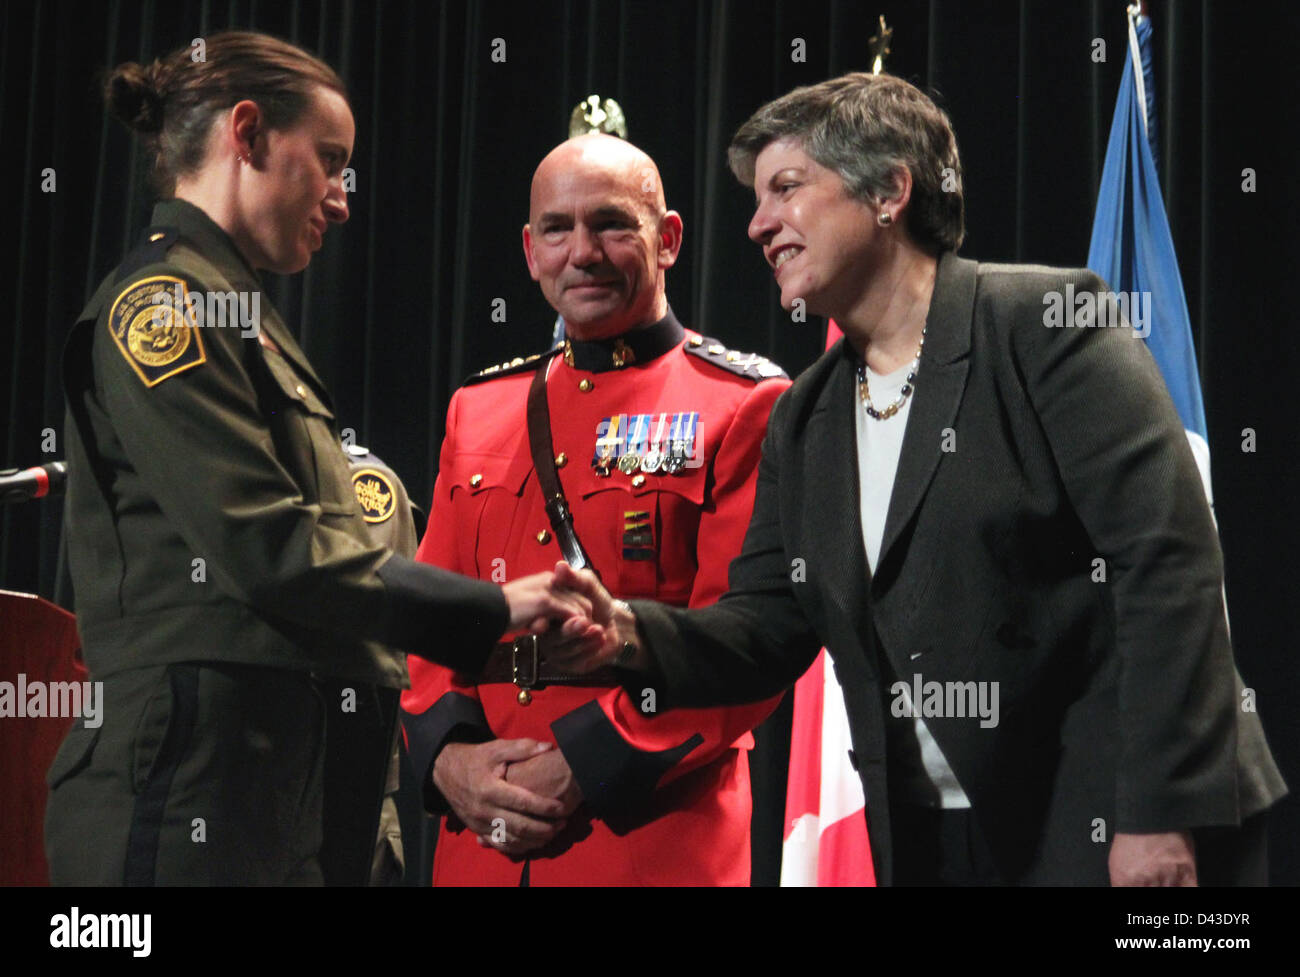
(220, 562)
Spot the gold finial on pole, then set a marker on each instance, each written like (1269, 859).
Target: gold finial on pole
(593, 114)
(879, 46)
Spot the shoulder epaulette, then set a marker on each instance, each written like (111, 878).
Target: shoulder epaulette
(520, 364)
(748, 365)
(152, 249)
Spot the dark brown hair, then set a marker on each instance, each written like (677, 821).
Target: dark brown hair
(863, 127)
(173, 101)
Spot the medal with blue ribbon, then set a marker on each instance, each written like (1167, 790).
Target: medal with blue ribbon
(608, 441)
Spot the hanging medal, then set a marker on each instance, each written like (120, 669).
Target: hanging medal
(690, 421)
(638, 429)
(608, 441)
(654, 458)
(676, 459)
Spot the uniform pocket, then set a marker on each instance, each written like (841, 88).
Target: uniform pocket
(307, 441)
(74, 754)
(487, 506)
(151, 731)
(475, 473)
(651, 528)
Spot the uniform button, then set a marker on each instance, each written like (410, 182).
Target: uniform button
(544, 537)
(696, 341)
(475, 481)
(561, 460)
(300, 390)
(585, 385)
(638, 481)
(157, 237)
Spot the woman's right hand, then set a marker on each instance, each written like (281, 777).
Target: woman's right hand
(536, 601)
(619, 642)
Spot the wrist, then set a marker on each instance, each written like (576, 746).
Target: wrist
(630, 653)
(446, 755)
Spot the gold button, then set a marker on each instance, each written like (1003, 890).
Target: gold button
(517, 361)
(475, 481)
(561, 460)
(638, 481)
(300, 390)
(524, 697)
(733, 356)
(717, 350)
(544, 537)
(157, 237)
(696, 341)
(585, 385)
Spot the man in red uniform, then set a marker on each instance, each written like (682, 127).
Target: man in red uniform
(656, 435)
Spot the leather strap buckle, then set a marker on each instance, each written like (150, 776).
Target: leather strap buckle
(524, 668)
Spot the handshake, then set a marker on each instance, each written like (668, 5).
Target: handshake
(580, 626)
(516, 795)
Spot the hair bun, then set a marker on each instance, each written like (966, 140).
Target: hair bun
(133, 97)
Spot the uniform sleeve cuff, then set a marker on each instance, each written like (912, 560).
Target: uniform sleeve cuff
(442, 616)
(454, 718)
(614, 775)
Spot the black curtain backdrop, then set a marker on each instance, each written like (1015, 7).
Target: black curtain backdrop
(396, 309)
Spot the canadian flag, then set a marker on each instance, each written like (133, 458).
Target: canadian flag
(825, 824)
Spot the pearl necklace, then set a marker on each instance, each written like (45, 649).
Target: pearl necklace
(906, 391)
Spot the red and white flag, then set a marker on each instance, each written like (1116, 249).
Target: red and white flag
(825, 824)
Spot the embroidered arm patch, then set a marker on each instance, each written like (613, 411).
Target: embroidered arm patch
(375, 494)
(153, 329)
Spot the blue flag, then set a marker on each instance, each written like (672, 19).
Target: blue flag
(1132, 248)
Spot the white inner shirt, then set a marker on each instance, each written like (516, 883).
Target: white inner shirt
(932, 784)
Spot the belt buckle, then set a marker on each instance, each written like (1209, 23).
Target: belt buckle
(524, 677)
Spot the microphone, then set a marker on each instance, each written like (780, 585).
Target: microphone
(22, 484)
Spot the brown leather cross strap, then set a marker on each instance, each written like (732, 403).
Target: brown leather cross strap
(543, 450)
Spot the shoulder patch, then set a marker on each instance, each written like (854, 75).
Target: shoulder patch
(520, 364)
(375, 494)
(149, 324)
(748, 365)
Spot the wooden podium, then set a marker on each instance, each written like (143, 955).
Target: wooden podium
(38, 640)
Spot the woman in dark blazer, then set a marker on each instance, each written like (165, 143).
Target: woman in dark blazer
(993, 523)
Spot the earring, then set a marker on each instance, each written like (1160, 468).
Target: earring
(242, 157)
(884, 219)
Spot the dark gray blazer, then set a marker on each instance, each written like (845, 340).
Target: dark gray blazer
(1029, 453)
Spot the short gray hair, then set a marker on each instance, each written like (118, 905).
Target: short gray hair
(863, 127)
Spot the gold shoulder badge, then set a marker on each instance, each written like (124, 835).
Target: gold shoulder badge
(375, 494)
(149, 326)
